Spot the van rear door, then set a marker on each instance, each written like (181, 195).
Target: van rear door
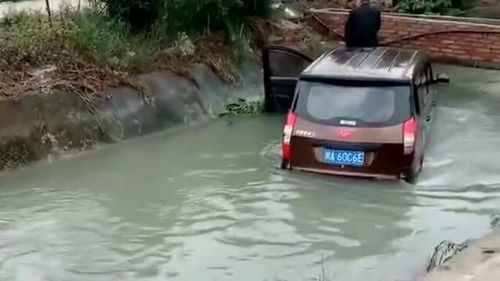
(282, 68)
(365, 120)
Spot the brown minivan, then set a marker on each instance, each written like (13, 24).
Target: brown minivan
(355, 112)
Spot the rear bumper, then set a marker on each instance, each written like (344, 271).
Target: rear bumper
(347, 173)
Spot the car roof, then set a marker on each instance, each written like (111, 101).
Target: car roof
(379, 63)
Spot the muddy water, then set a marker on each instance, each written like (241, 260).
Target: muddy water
(208, 203)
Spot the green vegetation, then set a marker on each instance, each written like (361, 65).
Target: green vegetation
(38, 56)
(111, 41)
(443, 7)
(184, 16)
(98, 47)
(243, 108)
(29, 40)
(167, 21)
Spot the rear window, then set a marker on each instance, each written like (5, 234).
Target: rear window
(353, 105)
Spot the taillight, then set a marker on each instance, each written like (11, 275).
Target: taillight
(409, 135)
(287, 135)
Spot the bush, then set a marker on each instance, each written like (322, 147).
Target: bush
(442, 7)
(184, 16)
(27, 39)
(110, 42)
(105, 38)
(30, 40)
(464, 4)
(100, 36)
(424, 6)
(137, 13)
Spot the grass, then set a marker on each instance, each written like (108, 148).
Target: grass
(30, 39)
(89, 51)
(110, 43)
(243, 108)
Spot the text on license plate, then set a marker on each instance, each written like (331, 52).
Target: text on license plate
(344, 157)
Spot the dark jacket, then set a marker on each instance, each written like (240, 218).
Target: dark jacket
(362, 27)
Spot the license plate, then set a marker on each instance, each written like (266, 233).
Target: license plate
(344, 157)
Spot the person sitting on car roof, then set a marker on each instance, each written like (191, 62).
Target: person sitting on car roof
(363, 24)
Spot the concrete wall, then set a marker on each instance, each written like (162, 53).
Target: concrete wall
(444, 38)
(37, 126)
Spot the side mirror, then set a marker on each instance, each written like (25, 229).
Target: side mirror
(442, 78)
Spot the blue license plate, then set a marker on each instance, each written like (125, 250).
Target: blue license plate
(344, 157)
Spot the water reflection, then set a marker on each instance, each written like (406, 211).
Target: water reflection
(351, 218)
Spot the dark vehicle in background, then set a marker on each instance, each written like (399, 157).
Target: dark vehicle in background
(355, 112)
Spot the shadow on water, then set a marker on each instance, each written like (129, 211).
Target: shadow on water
(208, 202)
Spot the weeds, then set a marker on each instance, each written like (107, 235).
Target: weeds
(242, 43)
(105, 40)
(111, 43)
(29, 39)
(193, 17)
(37, 57)
(243, 108)
(446, 7)
(88, 50)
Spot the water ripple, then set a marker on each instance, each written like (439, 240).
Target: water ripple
(217, 207)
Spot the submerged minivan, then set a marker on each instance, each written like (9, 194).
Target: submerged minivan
(356, 112)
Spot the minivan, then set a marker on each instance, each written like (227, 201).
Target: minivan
(355, 112)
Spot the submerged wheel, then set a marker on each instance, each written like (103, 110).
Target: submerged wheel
(285, 165)
(411, 176)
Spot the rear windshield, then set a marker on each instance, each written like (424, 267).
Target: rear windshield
(353, 105)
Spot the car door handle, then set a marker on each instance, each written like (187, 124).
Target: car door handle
(429, 118)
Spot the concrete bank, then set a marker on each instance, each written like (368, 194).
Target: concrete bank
(36, 126)
(478, 262)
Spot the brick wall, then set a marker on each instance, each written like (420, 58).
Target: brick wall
(447, 40)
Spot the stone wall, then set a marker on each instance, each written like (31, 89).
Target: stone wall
(446, 39)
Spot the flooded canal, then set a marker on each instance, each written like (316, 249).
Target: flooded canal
(209, 203)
